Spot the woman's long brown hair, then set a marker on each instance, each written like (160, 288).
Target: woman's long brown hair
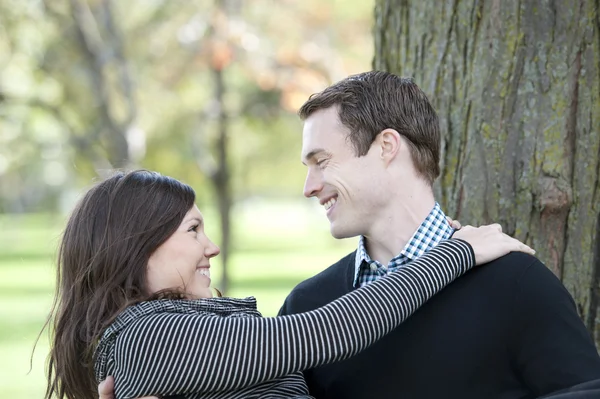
(102, 268)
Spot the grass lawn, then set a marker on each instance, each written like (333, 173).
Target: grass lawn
(276, 246)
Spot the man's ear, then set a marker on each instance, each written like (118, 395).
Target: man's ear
(390, 143)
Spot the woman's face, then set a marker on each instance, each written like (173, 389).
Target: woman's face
(182, 262)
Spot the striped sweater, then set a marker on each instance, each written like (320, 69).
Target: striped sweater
(222, 348)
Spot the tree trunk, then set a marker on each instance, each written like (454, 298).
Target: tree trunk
(517, 87)
(221, 178)
(101, 44)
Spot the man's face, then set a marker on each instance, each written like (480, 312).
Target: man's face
(347, 186)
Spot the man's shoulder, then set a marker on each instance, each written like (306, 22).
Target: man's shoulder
(524, 276)
(512, 267)
(521, 267)
(321, 288)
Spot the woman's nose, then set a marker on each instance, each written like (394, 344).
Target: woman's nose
(211, 250)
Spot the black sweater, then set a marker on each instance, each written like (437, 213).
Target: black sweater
(508, 329)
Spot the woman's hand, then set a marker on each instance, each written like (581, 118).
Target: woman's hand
(489, 242)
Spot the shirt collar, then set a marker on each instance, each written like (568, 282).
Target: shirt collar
(433, 230)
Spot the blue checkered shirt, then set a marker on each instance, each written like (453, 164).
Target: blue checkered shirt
(434, 229)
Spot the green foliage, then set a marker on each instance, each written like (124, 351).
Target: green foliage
(78, 80)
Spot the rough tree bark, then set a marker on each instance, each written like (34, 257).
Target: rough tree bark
(517, 87)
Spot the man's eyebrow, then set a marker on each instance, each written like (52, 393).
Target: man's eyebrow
(312, 154)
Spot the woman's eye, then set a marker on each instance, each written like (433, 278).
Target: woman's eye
(194, 228)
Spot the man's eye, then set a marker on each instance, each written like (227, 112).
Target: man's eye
(321, 162)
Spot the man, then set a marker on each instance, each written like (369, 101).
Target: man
(509, 330)
(371, 144)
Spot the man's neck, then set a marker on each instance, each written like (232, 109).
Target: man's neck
(393, 229)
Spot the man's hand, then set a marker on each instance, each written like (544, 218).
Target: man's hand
(106, 389)
(454, 223)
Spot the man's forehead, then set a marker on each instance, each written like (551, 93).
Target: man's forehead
(322, 131)
(315, 139)
(323, 125)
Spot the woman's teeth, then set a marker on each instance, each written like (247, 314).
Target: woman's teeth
(329, 203)
(204, 271)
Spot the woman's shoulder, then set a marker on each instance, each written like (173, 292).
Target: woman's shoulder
(158, 312)
(208, 307)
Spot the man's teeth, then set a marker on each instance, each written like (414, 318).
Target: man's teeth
(329, 203)
(204, 271)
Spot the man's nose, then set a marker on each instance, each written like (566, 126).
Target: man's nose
(313, 184)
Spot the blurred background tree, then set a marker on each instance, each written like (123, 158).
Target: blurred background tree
(204, 91)
(93, 85)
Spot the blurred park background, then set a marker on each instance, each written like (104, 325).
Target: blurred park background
(206, 91)
(202, 91)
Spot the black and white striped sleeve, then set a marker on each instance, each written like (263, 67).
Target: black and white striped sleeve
(171, 353)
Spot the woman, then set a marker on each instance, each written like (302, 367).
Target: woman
(134, 301)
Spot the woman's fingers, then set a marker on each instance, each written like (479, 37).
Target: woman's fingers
(516, 245)
(489, 242)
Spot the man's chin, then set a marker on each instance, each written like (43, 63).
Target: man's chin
(340, 233)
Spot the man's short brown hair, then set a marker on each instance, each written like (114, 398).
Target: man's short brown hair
(371, 102)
